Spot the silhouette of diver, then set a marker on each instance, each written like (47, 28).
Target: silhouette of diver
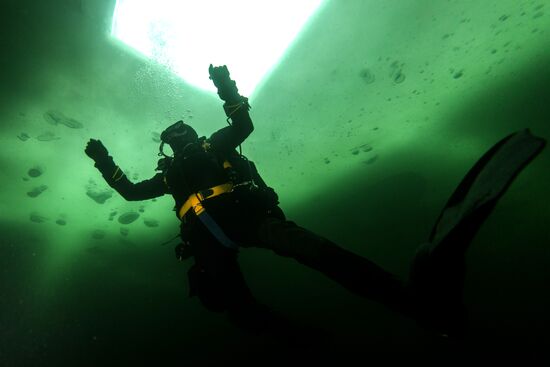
(224, 204)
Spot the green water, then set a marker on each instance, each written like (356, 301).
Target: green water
(364, 129)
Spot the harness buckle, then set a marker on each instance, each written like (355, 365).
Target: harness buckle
(206, 193)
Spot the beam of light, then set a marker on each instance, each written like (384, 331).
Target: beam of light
(249, 36)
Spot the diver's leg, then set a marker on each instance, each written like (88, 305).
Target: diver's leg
(354, 272)
(221, 287)
(217, 280)
(434, 292)
(438, 270)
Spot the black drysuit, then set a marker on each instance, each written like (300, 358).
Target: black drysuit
(250, 218)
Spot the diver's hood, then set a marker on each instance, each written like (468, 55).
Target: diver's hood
(179, 134)
(180, 131)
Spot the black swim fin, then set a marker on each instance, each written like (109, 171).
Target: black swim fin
(438, 270)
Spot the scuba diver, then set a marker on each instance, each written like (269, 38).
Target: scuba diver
(224, 205)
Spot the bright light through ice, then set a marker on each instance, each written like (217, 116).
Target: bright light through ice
(249, 36)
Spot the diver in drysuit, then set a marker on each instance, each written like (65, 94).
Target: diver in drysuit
(224, 205)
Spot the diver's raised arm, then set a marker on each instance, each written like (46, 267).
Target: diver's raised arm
(115, 177)
(236, 108)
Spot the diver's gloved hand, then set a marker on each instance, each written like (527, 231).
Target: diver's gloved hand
(227, 88)
(96, 150)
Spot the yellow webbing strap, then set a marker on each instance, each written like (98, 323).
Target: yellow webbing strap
(119, 172)
(194, 200)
